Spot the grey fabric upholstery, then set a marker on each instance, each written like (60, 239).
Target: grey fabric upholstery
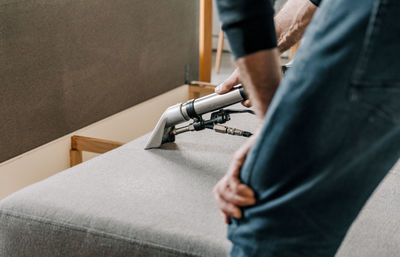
(131, 202)
(128, 202)
(66, 64)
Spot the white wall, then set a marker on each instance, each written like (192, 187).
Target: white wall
(215, 31)
(217, 24)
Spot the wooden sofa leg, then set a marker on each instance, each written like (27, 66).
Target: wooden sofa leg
(205, 40)
(220, 48)
(75, 157)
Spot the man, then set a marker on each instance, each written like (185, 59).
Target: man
(328, 134)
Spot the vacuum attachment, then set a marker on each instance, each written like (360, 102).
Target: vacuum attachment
(165, 130)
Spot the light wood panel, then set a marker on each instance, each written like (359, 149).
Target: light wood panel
(199, 88)
(219, 51)
(89, 144)
(205, 40)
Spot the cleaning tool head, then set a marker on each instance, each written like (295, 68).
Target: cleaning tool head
(193, 109)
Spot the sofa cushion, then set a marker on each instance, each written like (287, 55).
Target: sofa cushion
(132, 202)
(376, 231)
(127, 202)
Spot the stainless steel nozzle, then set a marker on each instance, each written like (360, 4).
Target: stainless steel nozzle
(192, 109)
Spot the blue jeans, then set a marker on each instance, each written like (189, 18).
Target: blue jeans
(331, 134)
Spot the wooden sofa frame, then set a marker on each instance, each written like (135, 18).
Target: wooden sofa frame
(80, 144)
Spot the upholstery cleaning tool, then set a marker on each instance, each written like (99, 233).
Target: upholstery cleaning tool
(165, 130)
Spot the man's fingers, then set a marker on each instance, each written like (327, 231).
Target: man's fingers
(232, 178)
(225, 87)
(236, 199)
(245, 191)
(237, 187)
(238, 193)
(226, 218)
(238, 159)
(229, 192)
(228, 209)
(246, 103)
(232, 191)
(228, 84)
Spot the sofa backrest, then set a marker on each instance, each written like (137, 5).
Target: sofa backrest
(66, 64)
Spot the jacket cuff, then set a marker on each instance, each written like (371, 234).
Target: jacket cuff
(251, 36)
(316, 2)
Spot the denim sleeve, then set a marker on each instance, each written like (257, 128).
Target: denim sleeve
(248, 24)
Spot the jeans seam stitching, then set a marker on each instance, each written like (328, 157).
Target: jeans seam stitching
(368, 45)
(311, 222)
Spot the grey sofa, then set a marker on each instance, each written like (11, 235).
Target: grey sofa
(131, 202)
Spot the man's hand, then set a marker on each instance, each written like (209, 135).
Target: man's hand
(260, 74)
(229, 192)
(290, 23)
(229, 83)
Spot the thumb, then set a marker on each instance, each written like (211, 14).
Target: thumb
(229, 83)
(239, 158)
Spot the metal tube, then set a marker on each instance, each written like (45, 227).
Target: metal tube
(214, 102)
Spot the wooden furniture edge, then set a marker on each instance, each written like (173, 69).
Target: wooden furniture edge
(205, 40)
(219, 51)
(197, 89)
(89, 144)
(81, 144)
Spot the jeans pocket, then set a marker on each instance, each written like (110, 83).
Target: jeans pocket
(379, 64)
(380, 102)
(375, 82)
